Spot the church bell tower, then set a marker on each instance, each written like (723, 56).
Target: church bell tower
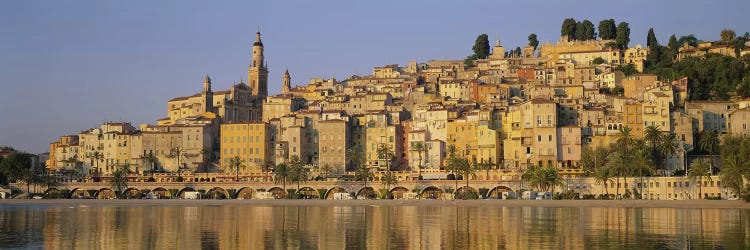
(257, 73)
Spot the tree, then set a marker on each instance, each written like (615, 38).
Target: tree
(419, 148)
(542, 178)
(450, 163)
(363, 174)
(585, 31)
(206, 155)
(235, 164)
(698, 169)
(177, 152)
(673, 44)
(356, 158)
(281, 175)
(17, 168)
(569, 28)
(598, 60)
(388, 179)
(96, 157)
(709, 142)
(297, 171)
(517, 52)
(603, 175)
(150, 158)
(727, 35)
(469, 61)
(593, 158)
(386, 154)
(651, 41)
(623, 35)
(481, 46)
(689, 39)
(733, 172)
(642, 165)
(607, 29)
(120, 180)
(533, 42)
(667, 147)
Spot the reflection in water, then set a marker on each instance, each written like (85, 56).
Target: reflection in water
(356, 227)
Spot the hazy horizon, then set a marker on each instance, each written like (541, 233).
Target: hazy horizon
(68, 67)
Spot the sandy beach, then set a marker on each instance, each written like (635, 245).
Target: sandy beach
(484, 203)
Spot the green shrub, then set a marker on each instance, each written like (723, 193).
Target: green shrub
(173, 192)
(232, 193)
(384, 193)
(483, 192)
(322, 193)
(180, 179)
(291, 193)
(589, 197)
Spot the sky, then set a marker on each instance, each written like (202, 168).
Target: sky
(66, 66)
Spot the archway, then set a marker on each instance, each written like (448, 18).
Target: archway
(398, 192)
(181, 193)
(367, 193)
(431, 192)
(330, 193)
(466, 192)
(52, 193)
(277, 192)
(245, 193)
(497, 192)
(217, 193)
(78, 193)
(161, 193)
(131, 193)
(106, 193)
(308, 193)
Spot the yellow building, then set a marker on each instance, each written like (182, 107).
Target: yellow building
(251, 141)
(633, 118)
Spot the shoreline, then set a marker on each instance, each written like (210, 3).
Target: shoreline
(681, 204)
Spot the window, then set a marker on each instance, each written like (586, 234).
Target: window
(538, 138)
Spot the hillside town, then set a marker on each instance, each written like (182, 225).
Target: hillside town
(504, 110)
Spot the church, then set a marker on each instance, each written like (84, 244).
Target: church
(243, 102)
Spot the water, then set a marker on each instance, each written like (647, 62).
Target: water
(242, 226)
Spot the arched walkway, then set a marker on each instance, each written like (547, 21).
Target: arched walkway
(398, 192)
(367, 193)
(52, 193)
(497, 192)
(277, 192)
(308, 193)
(245, 193)
(106, 193)
(78, 193)
(330, 193)
(431, 192)
(161, 193)
(131, 193)
(181, 193)
(217, 193)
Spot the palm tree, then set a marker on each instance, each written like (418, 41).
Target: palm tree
(206, 155)
(419, 147)
(281, 174)
(326, 169)
(709, 142)
(356, 159)
(731, 174)
(667, 147)
(387, 180)
(603, 175)
(385, 153)
(467, 170)
(617, 163)
(177, 152)
(236, 163)
(652, 135)
(150, 158)
(363, 174)
(120, 179)
(95, 158)
(593, 158)
(542, 178)
(297, 171)
(698, 169)
(641, 163)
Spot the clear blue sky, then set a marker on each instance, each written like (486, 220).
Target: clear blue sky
(67, 66)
